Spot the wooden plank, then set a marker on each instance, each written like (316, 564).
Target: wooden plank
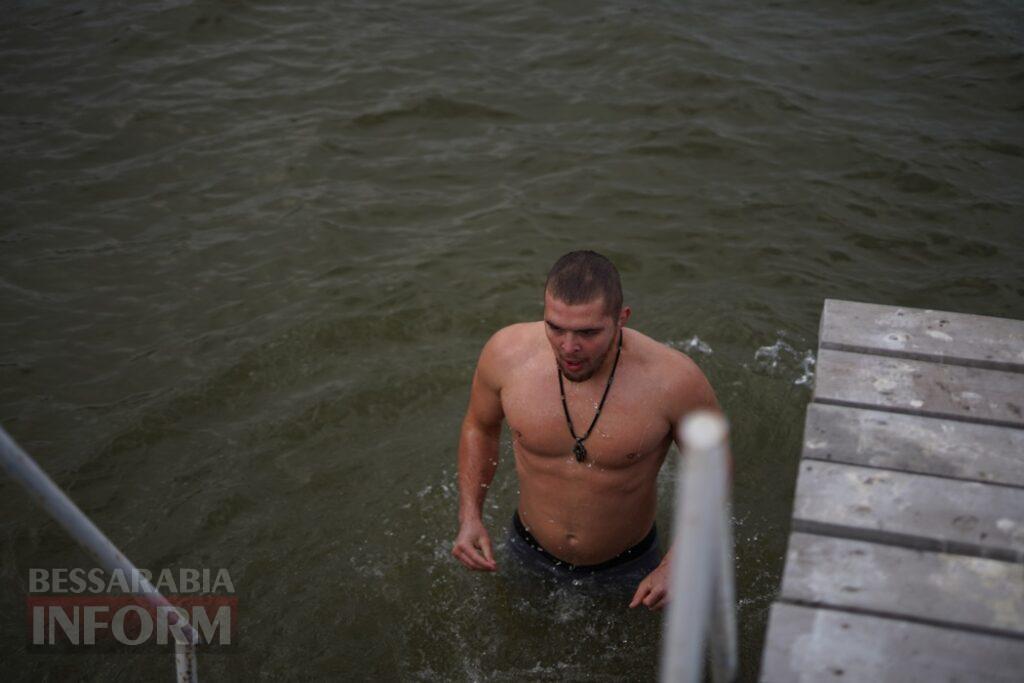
(969, 593)
(912, 510)
(956, 338)
(806, 644)
(912, 443)
(920, 388)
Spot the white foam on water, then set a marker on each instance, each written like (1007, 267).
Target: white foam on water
(692, 345)
(783, 361)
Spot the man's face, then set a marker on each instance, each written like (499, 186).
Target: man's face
(581, 335)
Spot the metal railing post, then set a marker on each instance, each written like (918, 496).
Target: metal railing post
(20, 466)
(724, 648)
(703, 594)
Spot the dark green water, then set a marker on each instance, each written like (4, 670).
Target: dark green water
(249, 252)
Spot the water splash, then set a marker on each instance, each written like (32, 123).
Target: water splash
(807, 365)
(692, 345)
(781, 360)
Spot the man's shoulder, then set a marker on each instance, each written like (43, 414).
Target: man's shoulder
(658, 354)
(515, 340)
(675, 370)
(510, 347)
(685, 386)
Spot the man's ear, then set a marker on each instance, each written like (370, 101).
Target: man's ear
(624, 315)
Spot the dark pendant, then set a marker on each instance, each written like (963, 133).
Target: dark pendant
(580, 450)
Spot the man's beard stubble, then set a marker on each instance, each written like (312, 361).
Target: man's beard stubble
(587, 374)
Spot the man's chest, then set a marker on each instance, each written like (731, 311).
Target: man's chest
(629, 427)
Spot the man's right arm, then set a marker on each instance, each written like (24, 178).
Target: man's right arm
(478, 460)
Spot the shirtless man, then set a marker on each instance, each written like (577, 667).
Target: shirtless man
(587, 496)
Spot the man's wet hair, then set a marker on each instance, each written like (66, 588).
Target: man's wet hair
(579, 277)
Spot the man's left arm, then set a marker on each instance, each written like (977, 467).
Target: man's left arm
(691, 392)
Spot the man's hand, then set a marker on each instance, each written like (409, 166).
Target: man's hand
(653, 589)
(473, 547)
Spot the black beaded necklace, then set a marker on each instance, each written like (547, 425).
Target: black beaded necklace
(579, 449)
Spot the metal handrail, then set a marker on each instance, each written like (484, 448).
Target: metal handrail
(702, 584)
(24, 470)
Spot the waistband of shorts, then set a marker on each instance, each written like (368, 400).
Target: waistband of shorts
(633, 552)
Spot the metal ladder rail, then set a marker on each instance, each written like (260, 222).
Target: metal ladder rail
(703, 584)
(24, 470)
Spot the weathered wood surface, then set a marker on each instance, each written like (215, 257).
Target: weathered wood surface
(920, 388)
(957, 338)
(911, 510)
(913, 443)
(955, 591)
(806, 644)
(907, 556)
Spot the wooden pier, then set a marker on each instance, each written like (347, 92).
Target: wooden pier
(906, 558)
